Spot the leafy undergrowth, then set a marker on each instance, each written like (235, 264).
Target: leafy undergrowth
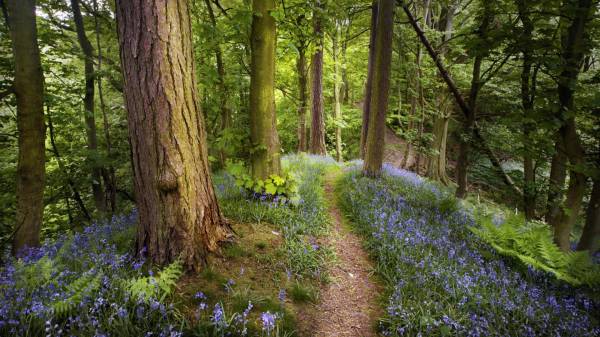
(87, 283)
(442, 279)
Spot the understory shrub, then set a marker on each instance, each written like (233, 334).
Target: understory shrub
(443, 280)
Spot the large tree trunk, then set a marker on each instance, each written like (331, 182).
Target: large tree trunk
(590, 238)
(369, 83)
(380, 88)
(317, 127)
(337, 92)
(29, 90)
(263, 123)
(178, 211)
(302, 98)
(88, 105)
(568, 146)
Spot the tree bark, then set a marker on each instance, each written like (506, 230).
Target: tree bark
(29, 91)
(88, 105)
(380, 88)
(369, 82)
(263, 122)
(317, 127)
(302, 98)
(178, 211)
(337, 92)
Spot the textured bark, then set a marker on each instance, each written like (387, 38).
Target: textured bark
(263, 122)
(369, 82)
(178, 211)
(529, 194)
(29, 90)
(88, 105)
(380, 88)
(590, 238)
(568, 146)
(302, 98)
(317, 127)
(337, 92)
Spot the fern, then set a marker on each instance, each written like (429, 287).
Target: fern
(533, 246)
(159, 286)
(79, 288)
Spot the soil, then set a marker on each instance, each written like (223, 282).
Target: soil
(348, 304)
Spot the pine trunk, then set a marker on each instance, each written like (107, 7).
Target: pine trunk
(178, 211)
(380, 88)
(317, 127)
(263, 123)
(29, 91)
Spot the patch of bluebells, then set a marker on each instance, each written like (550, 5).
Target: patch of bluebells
(442, 279)
(73, 286)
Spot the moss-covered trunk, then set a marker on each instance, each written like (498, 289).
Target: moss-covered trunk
(375, 144)
(369, 81)
(265, 156)
(302, 98)
(178, 211)
(29, 90)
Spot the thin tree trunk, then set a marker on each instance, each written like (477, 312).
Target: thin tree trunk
(337, 93)
(88, 104)
(303, 98)
(222, 85)
(368, 86)
(263, 123)
(590, 238)
(380, 88)
(460, 101)
(317, 127)
(568, 146)
(29, 90)
(63, 169)
(108, 173)
(179, 217)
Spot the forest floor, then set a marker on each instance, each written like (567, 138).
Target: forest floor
(348, 304)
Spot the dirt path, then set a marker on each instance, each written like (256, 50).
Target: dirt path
(348, 304)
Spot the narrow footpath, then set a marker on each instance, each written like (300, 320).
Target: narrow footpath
(348, 304)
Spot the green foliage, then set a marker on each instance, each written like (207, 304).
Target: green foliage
(160, 286)
(283, 186)
(532, 244)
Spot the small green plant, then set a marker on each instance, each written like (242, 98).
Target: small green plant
(159, 286)
(301, 293)
(283, 187)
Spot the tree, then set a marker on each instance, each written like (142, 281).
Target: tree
(88, 105)
(317, 127)
(568, 145)
(369, 83)
(263, 123)
(337, 90)
(29, 90)
(380, 86)
(178, 211)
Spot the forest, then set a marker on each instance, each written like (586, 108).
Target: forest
(300, 168)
